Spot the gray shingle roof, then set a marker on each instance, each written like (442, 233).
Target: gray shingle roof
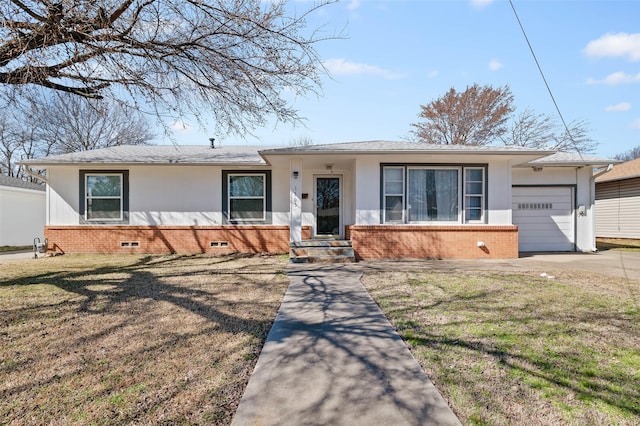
(377, 147)
(19, 183)
(572, 159)
(154, 154)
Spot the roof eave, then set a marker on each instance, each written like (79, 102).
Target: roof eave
(45, 164)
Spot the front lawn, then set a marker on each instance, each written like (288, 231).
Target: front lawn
(518, 348)
(132, 339)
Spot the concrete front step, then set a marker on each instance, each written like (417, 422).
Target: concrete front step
(321, 243)
(322, 251)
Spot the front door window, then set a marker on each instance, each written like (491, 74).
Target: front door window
(328, 206)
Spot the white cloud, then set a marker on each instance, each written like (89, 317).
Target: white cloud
(339, 66)
(622, 106)
(495, 65)
(616, 78)
(635, 124)
(180, 126)
(480, 4)
(615, 45)
(353, 5)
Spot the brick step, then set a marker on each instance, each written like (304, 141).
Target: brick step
(322, 251)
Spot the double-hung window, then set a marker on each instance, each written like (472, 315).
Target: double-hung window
(246, 196)
(393, 194)
(433, 194)
(103, 196)
(474, 194)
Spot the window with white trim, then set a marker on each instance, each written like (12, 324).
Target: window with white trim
(104, 195)
(474, 194)
(432, 194)
(393, 194)
(246, 197)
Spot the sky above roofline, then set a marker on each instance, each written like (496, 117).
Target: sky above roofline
(400, 54)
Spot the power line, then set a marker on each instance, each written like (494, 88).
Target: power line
(535, 58)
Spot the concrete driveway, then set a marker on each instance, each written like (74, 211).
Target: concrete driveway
(611, 262)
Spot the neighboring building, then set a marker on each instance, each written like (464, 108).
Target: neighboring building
(618, 201)
(22, 211)
(390, 199)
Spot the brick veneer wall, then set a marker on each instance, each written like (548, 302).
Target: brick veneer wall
(170, 239)
(433, 242)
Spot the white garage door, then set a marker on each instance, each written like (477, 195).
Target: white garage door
(545, 218)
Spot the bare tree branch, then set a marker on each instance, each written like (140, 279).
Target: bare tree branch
(232, 59)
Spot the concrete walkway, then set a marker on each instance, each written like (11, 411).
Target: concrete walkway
(332, 358)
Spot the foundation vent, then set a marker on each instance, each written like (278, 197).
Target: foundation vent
(220, 244)
(129, 244)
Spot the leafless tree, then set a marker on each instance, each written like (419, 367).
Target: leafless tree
(68, 123)
(629, 155)
(301, 141)
(542, 132)
(65, 123)
(530, 130)
(575, 137)
(477, 116)
(231, 59)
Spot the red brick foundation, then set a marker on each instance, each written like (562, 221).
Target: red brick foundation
(433, 242)
(170, 239)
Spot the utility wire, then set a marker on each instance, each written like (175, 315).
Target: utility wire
(545, 81)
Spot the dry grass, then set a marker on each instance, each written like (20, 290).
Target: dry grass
(618, 244)
(132, 339)
(515, 348)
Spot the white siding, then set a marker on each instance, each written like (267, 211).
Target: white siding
(618, 208)
(22, 216)
(163, 195)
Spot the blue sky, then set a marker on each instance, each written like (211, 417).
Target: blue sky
(400, 54)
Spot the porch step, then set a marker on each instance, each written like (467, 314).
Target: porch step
(322, 251)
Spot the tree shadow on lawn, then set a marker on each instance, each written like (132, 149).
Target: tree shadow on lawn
(569, 368)
(118, 318)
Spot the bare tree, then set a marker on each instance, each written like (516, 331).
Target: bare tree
(16, 143)
(530, 130)
(63, 124)
(540, 131)
(232, 59)
(301, 141)
(68, 123)
(629, 155)
(476, 116)
(575, 137)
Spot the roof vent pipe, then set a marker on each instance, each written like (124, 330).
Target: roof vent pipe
(212, 141)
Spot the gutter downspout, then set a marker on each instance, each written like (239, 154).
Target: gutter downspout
(592, 190)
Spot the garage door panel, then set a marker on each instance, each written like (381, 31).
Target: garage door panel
(545, 218)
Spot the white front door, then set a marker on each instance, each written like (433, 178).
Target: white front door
(328, 205)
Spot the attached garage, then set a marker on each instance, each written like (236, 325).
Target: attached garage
(545, 216)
